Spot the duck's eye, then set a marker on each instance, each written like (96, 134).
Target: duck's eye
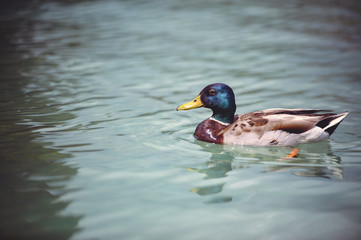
(212, 92)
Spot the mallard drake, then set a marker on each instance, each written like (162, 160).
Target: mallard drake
(281, 127)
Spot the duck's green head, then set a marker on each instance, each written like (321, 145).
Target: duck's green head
(219, 97)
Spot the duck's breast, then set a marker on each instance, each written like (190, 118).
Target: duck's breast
(210, 130)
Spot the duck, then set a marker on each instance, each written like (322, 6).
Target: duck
(270, 127)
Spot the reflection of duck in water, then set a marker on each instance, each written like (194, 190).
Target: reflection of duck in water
(281, 127)
(317, 160)
(215, 170)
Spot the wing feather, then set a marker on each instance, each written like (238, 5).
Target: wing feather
(281, 126)
(289, 120)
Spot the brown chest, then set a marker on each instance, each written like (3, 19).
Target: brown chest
(210, 131)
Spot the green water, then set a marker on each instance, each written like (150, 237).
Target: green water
(91, 146)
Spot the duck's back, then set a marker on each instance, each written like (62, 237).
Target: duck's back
(283, 127)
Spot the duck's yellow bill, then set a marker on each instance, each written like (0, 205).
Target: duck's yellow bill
(195, 103)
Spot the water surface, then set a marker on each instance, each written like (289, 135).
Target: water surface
(92, 147)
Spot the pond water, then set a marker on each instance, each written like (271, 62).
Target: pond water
(92, 147)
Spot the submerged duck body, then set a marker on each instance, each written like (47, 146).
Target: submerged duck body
(270, 127)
